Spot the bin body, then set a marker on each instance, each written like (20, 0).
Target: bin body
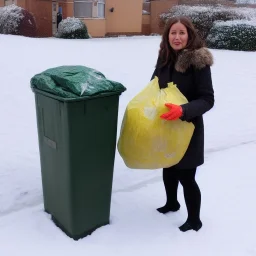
(77, 142)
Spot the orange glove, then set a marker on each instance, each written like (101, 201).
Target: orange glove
(175, 112)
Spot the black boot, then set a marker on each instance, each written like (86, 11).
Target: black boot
(169, 208)
(191, 225)
(171, 186)
(192, 197)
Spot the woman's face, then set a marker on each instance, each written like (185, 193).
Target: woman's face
(178, 36)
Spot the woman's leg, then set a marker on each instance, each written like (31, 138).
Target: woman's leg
(171, 186)
(192, 197)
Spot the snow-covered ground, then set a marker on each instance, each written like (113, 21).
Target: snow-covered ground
(227, 179)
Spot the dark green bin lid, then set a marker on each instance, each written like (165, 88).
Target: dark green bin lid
(74, 83)
(83, 98)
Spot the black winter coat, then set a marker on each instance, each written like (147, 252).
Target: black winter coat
(192, 75)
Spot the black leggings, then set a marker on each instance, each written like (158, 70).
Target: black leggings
(192, 194)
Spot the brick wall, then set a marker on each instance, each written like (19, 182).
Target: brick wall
(42, 10)
(158, 7)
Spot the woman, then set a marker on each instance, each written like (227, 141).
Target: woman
(184, 60)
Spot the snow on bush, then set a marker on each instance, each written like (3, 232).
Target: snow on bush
(203, 17)
(10, 17)
(145, 12)
(203, 2)
(72, 28)
(248, 13)
(15, 20)
(233, 35)
(245, 1)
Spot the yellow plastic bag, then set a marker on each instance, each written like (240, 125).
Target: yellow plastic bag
(148, 142)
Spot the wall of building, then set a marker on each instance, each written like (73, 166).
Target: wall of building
(22, 3)
(67, 8)
(42, 10)
(126, 17)
(158, 7)
(96, 27)
(146, 24)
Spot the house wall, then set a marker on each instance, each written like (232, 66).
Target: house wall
(22, 3)
(146, 24)
(158, 7)
(67, 8)
(42, 10)
(96, 27)
(126, 17)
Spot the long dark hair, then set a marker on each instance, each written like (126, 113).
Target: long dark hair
(166, 54)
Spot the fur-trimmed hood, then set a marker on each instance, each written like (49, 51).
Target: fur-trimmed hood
(198, 58)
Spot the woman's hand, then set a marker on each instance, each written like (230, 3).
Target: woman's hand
(175, 112)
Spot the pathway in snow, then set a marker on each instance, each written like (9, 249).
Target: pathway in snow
(227, 181)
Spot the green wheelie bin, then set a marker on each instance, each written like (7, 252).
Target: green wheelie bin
(77, 143)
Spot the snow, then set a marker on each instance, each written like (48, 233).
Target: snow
(248, 13)
(227, 179)
(145, 12)
(245, 1)
(10, 17)
(233, 23)
(212, 12)
(69, 25)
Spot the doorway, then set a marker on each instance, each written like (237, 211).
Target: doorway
(55, 8)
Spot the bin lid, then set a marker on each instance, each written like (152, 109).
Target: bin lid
(74, 82)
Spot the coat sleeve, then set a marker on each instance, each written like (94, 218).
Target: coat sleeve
(155, 73)
(205, 95)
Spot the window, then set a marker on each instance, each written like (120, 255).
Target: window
(101, 9)
(89, 8)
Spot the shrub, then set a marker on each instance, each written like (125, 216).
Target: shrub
(27, 26)
(203, 17)
(245, 1)
(72, 28)
(203, 2)
(15, 20)
(233, 35)
(10, 17)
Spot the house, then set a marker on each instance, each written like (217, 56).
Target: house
(104, 17)
(117, 17)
